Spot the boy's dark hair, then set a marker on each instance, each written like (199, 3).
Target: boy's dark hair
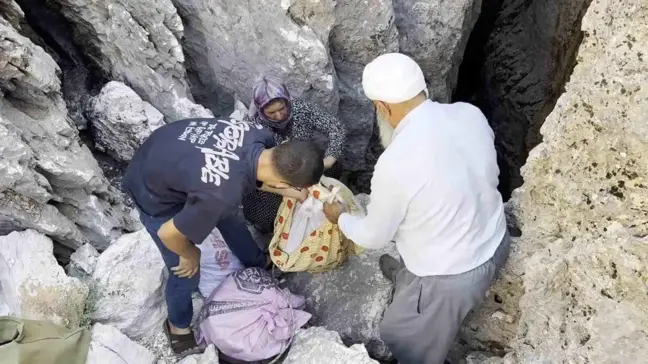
(299, 162)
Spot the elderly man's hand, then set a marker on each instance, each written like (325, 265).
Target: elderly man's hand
(332, 211)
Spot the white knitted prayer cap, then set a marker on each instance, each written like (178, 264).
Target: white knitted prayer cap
(393, 78)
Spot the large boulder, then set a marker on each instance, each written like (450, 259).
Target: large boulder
(12, 12)
(109, 346)
(83, 262)
(582, 209)
(121, 121)
(435, 33)
(138, 43)
(44, 166)
(363, 30)
(130, 286)
(311, 345)
(101, 217)
(33, 285)
(232, 43)
(351, 299)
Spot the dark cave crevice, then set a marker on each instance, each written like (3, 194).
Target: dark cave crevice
(517, 62)
(81, 78)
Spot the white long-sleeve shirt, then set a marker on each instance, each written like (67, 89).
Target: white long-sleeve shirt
(434, 192)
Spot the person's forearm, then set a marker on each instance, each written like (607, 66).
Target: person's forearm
(175, 242)
(355, 229)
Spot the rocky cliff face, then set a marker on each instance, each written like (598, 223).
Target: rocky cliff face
(574, 289)
(578, 288)
(519, 58)
(50, 181)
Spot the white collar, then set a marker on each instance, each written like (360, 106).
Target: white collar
(412, 115)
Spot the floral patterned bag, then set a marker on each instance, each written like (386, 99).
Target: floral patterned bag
(322, 248)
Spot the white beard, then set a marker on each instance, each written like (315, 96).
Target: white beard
(385, 129)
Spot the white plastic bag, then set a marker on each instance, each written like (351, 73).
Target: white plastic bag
(240, 111)
(216, 262)
(309, 216)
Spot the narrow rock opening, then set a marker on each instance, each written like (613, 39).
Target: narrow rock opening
(518, 59)
(80, 79)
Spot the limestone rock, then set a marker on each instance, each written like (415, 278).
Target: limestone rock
(109, 346)
(233, 43)
(83, 261)
(101, 219)
(529, 57)
(350, 299)
(435, 34)
(33, 285)
(311, 345)
(157, 342)
(582, 206)
(210, 356)
(317, 15)
(130, 286)
(42, 157)
(137, 42)
(12, 13)
(121, 121)
(494, 323)
(363, 30)
(482, 358)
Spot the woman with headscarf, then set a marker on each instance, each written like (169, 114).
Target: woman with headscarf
(289, 118)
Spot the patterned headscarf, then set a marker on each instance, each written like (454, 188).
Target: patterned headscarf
(267, 89)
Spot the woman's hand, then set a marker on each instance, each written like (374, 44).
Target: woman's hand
(329, 162)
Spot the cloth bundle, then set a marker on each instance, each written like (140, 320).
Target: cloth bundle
(25, 341)
(249, 317)
(304, 240)
(216, 262)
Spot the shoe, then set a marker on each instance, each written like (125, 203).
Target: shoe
(389, 267)
(182, 345)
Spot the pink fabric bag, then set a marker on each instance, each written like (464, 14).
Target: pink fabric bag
(249, 317)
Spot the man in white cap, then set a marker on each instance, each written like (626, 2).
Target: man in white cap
(433, 192)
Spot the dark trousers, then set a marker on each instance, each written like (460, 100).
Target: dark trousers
(179, 290)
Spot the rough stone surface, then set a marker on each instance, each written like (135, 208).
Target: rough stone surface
(210, 356)
(33, 285)
(311, 345)
(582, 208)
(48, 176)
(157, 342)
(363, 30)
(231, 47)
(435, 34)
(12, 13)
(137, 42)
(102, 218)
(483, 358)
(350, 300)
(130, 286)
(494, 323)
(121, 121)
(77, 79)
(83, 262)
(528, 58)
(109, 346)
